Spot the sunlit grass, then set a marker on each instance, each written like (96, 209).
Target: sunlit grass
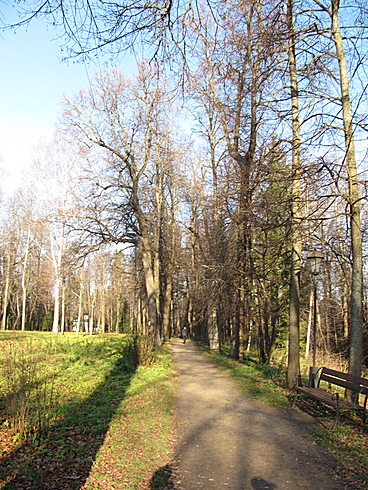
(260, 382)
(139, 438)
(112, 420)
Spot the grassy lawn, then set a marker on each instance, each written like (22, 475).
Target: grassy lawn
(348, 444)
(107, 422)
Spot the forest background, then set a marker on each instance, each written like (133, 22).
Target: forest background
(192, 193)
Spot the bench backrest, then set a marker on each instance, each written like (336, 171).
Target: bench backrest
(347, 381)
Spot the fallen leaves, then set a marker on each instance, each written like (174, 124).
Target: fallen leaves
(115, 436)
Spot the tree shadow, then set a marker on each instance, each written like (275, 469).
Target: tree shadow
(261, 484)
(163, 478)
(321, 413)
(65, 459)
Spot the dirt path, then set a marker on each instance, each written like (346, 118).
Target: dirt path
(226, 441)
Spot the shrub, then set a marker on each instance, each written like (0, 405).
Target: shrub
(27, 384)
(137, 351)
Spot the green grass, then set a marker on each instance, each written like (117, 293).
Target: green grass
(71, 367)
(260, 382)
(349, 445)
(110, 425)
(139, 437)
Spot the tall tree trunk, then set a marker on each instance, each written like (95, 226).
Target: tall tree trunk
(80, 303)
(213, 330)
(355, 359)
(145, 246)
(310, 317)
(5, 296)
(158, 231)
(166, 314)
(62, 322)
(343, 277)
(345, 312)
(194, 281)
(296, 244)
(57, 262)
(12, 247)
(169, 267)
(92, 314)
(117, 314)
(24, 277)
(103, 300)
(151, 296)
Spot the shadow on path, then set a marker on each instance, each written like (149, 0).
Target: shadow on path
(260, 484)
(163, 478)
(226, 440)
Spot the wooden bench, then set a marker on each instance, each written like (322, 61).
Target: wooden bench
(357, 385)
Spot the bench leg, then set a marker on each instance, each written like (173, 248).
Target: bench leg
(337, 414)
(296, 396)
(364, 421)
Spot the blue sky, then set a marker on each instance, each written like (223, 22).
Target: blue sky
(32, 83)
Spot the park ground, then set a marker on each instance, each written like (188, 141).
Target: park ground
(191, 419)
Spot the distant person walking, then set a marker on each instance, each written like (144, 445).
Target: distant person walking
(184, 333)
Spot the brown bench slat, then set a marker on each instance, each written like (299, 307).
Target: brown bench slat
(345, 380)
(348, 377)
(328, 399)
(337, 400)
(340, 382)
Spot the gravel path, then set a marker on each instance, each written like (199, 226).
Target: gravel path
(225, 440)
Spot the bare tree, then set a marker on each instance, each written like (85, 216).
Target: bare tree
(238, 89)
(326, 29)
(55, 167)
(296, 241)
(119, 120)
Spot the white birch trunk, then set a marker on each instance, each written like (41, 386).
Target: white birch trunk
(310, 317)
(24, 277)
(56, 260)
(5, 297)
(62, 323)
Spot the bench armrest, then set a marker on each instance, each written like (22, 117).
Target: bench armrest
(365, 400)
(317, 375)
(300, 381)
(335, 396)
(362, 388)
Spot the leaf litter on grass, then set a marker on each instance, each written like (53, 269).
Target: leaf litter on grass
(104, 436)
(139, 438)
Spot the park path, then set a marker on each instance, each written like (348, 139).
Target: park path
(226, 441)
